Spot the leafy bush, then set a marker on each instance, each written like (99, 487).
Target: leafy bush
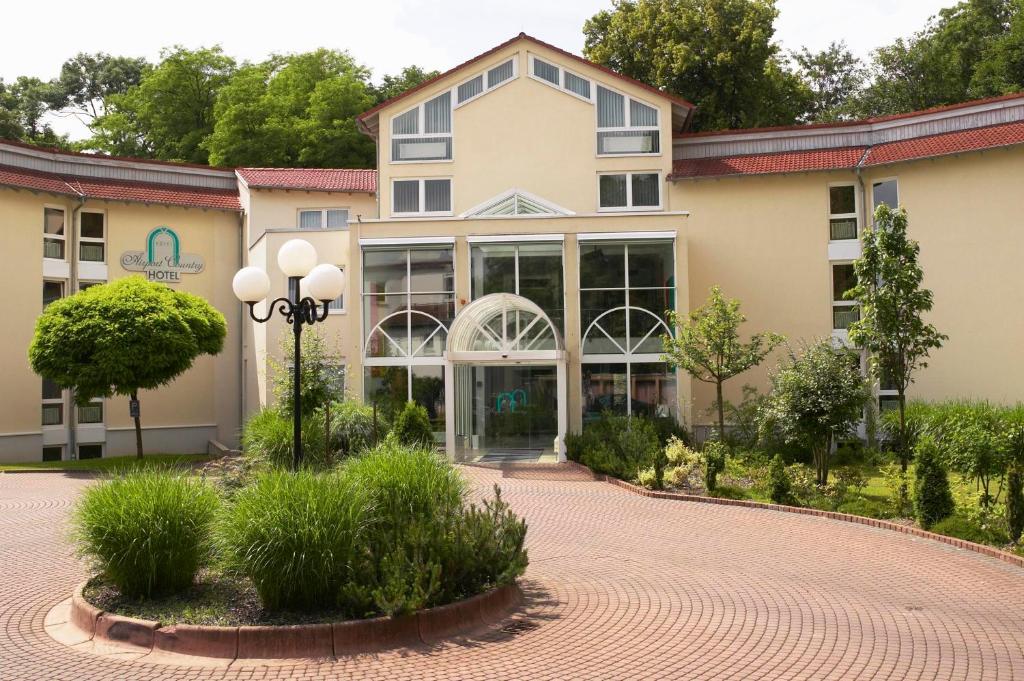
(620, 446)
(779, 485)
(679, 454)
(1015, 502)
(352, 427)
(728, 492)
(295, 535)
(148, 532)
(601, 457)
(669, 429)
(713, 457)
(900, 500)
(933, 499)
(970, 529)
(412, 426)
(864, 507)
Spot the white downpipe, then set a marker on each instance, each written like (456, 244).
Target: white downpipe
(449, 409)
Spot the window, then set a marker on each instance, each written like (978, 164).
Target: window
(53, 233)
(91, 236)
(424, 133)
(421, 197)
(576, 84)
(91, 413)
(408, 305)
(625, 290)
(885, 191)
(82, 285)
(842, 212)
(53, 404)
(501, 73)
(52, 291)
(483, 82)
(629, 191)
(531, 270)
(53, 453)
(331, 218)
(625, 126)
(90, 451)
(545, 71)
(844, 312)
(560, 78)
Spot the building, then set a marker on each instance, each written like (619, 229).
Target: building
(510, 261)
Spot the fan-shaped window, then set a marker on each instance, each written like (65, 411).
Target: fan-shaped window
(503, 325)
(515, 202)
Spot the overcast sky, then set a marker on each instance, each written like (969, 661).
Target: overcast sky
(382, 34)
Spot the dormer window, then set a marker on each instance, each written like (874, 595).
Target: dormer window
(485, 81)
(423, 133)
(625, 125)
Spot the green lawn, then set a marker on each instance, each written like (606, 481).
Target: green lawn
(117, 463)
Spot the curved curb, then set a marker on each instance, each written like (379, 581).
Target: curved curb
(989, 551)
(202, 644)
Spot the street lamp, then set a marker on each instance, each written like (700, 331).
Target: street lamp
(310, 283)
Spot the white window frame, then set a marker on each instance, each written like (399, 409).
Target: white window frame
(855, 215)
(880, 180)
(628, 116)
(516, 241)
(92, 403)
(840, 304)
(323, 217)
(629, 208)
(420, 108)
(90, 240)
(58, 237)
(422, 197)
(487, 87)
(53, 401)
(561, 79)
(61, 282)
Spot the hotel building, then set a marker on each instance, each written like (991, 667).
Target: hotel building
(510, 262)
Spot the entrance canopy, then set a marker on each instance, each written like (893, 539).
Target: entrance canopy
(504, 327)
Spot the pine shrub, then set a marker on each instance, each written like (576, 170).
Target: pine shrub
(714, 463)
(412, 426)
(147, 532)
(779, 484)
(933, 500)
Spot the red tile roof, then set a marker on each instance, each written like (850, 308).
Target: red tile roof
(943, 144)
(361, 118)
(310, 179)
(120, 190)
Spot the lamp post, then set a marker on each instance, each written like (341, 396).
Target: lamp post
(309, 283)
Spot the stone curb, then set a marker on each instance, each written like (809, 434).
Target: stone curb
(832, 515)
(304, 641)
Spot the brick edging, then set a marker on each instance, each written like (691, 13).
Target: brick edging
(832, 515)
(328, 640)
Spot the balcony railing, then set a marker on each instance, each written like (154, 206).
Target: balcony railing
(90, 252)
(843, 316)
(52, 248)
(841, 229)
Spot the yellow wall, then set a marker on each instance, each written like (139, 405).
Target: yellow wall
(524, 134)
(279, 209)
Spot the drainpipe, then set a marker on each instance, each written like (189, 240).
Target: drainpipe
(242, 238)
(72, 435)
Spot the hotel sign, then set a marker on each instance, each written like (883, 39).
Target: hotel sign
(162, 260)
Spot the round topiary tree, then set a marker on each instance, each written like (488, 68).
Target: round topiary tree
(933, 501)
(122, 337)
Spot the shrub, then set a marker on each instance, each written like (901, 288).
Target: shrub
(620, 446)
(647, 478)
(669, 429)
(601, 457)
(268, 438)
(899, 500)
(147, 532)
(352, 427)
(779, 485)
(1015, 502)
(714, 462)
(933, 499)
(295, 536)
(679, 454)
(970, 529)
(864, 507)
(728, 492)
(412, 426)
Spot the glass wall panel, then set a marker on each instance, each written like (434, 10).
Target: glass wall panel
(385, 272)
(533, 271)
(386, 387)
(433, 270)
(602, 265)
(428, 392)
(652, 390)
(494, 269)
(651, 264)
(604, 389)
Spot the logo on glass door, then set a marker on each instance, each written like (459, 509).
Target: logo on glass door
(511, 400)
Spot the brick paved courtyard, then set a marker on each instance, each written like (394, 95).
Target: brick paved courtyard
(619, 587)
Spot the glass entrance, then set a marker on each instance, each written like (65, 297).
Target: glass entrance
(506, 409)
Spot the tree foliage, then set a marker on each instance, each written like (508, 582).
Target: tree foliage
(707, 345)
(835, 77)
(816, 397)
(892, 306)
(717, 53)
(394, 85)
(87, 80)
(122, 337)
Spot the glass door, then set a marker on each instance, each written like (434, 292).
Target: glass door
(510, 408)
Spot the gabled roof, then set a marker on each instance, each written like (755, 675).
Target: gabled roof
(371, 113)
(310, 179)
(119, 190)
(515, 202)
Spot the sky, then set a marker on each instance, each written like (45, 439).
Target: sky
(382, 34)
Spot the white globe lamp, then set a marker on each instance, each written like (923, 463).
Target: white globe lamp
(296, 258)
(251, 284)
(325, 282)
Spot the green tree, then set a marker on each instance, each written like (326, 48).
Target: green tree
(394, 85)
(816, 397)
(933, 499)
(892, 304)
(294, 110)
(169, 114)
(87, 80)
(322, 380)
(122, 337)
(718, 53)
(707, 345)
(23, 108)
(834, 77)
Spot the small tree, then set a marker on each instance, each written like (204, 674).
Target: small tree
(779, 485)
(122, 337)
(815, 398)
(933, 500)
(321, 381)
(892, 303)
(707, 346)
(412, 426)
